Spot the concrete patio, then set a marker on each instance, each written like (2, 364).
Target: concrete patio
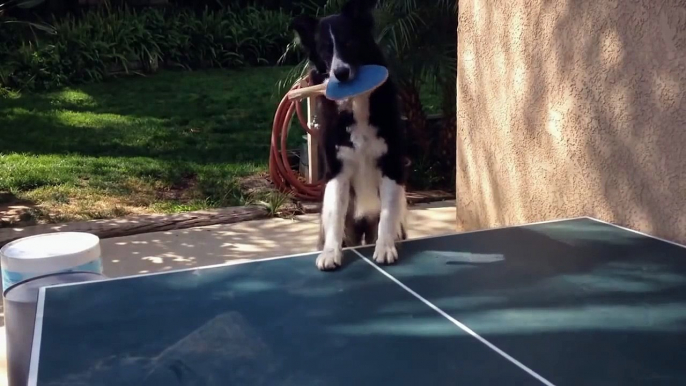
(219, 244)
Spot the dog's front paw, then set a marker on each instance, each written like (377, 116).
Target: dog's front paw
(329, 259)
(385, 252)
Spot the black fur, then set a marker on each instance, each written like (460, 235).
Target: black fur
(352, 30)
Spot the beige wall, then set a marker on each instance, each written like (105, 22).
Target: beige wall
(572, 107)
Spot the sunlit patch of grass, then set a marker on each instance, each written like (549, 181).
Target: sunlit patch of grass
(81, 188)
(72, 203)
(74, 96)
(99, 120)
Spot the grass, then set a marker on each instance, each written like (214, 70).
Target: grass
(173, 142)
(168, 143)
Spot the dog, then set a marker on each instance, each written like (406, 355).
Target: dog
(362, 139)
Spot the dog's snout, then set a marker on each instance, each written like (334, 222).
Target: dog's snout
(342, 74)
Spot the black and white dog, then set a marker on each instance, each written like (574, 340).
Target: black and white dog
(362, 139)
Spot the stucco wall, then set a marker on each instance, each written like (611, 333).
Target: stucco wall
(572, 108)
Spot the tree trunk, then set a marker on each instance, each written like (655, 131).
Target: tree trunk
(417, 133)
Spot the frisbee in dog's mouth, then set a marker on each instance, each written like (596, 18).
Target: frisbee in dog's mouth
(366, 79)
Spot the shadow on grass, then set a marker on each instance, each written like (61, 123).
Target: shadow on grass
(206, 117)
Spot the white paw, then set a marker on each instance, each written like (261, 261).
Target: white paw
(329, 259)
(385, 252)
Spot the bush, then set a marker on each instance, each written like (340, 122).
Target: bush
(289, 5)
(105, 43)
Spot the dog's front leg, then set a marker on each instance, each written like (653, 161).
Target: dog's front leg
(390, 222)
(334, 208)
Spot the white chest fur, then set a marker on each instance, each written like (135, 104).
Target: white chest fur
(360, 162)
(366, 143)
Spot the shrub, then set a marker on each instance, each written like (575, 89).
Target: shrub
(106, 42)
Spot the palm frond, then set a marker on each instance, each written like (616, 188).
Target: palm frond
(25, 4)
(43, 27)
(294, 75)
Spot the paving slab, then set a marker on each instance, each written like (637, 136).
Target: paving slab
(219, 244)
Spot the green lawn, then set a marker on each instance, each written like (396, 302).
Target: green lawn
(171, 142)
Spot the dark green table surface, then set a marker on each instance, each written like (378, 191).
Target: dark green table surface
(575, 302)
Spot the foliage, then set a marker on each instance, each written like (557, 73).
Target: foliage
(114, 41)
(286, 5)
(420, 39)
(6, 22)
(274, 201)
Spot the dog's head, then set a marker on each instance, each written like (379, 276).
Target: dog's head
(338, 44)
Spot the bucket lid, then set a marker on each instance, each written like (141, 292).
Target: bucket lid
(50, 252)
(27, 290)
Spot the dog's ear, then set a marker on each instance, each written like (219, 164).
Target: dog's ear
(360, 11)
(304, 27)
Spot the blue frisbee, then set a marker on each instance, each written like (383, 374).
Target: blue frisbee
(367, 79)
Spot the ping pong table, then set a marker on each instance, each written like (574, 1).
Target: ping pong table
(568, 302)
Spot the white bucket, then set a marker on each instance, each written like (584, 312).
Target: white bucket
(20, 319)
(49, 253)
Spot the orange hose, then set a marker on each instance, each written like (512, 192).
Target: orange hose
(280, 172)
